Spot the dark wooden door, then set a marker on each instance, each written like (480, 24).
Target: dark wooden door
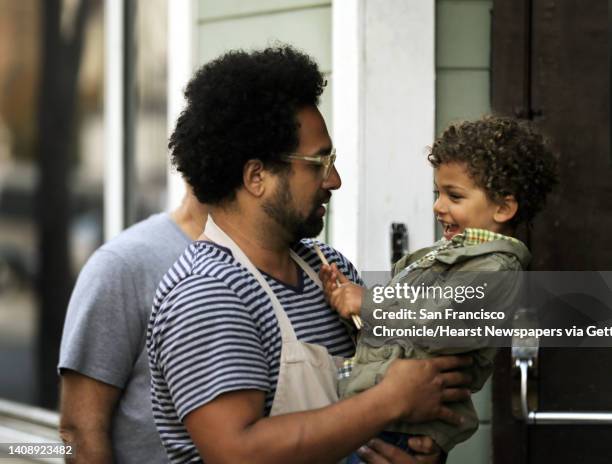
(551, 64)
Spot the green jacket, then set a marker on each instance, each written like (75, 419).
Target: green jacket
(459, 264)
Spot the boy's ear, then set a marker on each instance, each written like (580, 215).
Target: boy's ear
(506, 209)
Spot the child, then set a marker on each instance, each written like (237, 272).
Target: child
(491, 175)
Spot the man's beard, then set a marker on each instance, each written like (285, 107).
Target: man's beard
(280, 209)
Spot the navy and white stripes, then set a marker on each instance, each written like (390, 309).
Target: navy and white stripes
(213, 330)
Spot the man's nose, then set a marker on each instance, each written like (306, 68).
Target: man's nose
(333, 182)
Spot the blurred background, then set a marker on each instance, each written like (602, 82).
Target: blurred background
(52, 166)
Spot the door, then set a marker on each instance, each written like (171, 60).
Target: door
(551, 64)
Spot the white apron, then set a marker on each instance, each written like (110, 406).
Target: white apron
(307, 377)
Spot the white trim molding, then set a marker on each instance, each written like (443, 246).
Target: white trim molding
(114, 87)
(181, 53)
(384, 120)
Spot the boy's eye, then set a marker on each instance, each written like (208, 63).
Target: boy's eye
(436, 193)
(454, 196)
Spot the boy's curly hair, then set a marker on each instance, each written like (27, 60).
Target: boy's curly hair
(241, 106)
(504, 157)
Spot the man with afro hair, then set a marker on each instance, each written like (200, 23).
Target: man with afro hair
(243, 347)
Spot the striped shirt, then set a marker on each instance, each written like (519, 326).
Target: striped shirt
(213, 330)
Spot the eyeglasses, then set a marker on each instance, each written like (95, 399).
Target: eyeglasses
(325, 161)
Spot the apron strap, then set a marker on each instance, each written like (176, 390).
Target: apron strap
(306, 267)
(213, 232)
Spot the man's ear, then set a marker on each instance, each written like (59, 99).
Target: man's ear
(506, 209)
(254, 177)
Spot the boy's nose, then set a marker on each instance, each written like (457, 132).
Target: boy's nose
(438, 206)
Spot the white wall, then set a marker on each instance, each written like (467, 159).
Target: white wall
(181, 46)
(384, 115)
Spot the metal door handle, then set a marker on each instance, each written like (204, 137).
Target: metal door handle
(525, 358)
(552, 417)
(555, 418)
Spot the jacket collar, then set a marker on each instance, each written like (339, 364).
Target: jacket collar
(475, 242)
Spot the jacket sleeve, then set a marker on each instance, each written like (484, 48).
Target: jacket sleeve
(498, 278)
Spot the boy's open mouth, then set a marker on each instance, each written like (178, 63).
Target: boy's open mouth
(449, 230)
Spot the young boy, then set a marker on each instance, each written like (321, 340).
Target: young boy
(491, 175)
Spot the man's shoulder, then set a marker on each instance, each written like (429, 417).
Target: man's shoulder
(205, 283)
(203, 267)
(148, 247)
(111, 301)
(156, 232)
(213, 261)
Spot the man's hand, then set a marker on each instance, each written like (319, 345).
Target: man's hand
(232, 427)
(379, 452)
(421, 387)
(342, 295)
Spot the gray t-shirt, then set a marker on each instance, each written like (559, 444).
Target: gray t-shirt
(105, 329)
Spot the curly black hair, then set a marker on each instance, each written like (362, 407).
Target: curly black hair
(503, 156)
(241, 106)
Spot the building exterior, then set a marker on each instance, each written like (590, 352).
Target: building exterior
(398, 72)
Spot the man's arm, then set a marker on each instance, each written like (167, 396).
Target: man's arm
(100, 345)
(86, 410)
(231, 428)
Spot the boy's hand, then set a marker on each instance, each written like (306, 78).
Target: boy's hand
(347, 299)
(327, 275)
(341, 294)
